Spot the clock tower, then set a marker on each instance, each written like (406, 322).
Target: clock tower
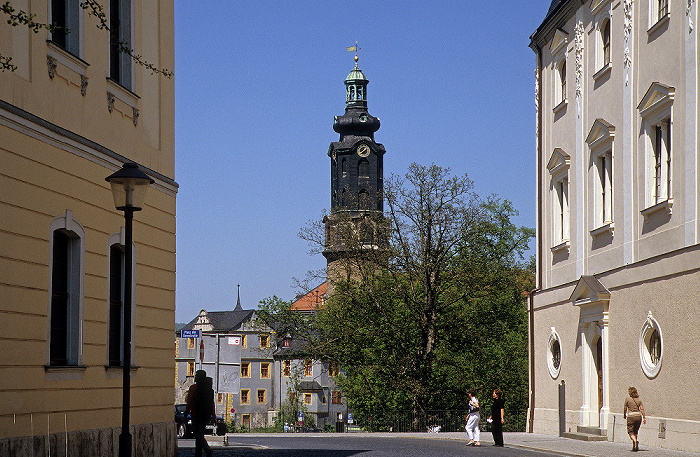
(352, 229)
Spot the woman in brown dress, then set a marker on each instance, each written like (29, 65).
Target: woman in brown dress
(634, 412)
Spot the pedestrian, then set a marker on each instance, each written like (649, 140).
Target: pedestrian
(634, 412)
(200, 405)
(473, 421)
(497, 417)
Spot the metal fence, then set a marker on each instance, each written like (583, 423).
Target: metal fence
(439, 421)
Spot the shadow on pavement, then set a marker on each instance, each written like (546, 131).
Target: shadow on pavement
(241, 452)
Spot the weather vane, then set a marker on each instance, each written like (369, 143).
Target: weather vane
(354, 48)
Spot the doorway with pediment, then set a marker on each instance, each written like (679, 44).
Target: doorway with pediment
(592, 299)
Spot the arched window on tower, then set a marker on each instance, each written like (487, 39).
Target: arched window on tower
(344, 167)
(364, 200)
(367, 233)
(363, 168)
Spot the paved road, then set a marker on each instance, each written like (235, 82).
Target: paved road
(352, 445)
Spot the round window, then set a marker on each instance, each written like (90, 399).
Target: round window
(651, 348)
(554, 354)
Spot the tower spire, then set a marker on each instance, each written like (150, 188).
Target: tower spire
(238, 302)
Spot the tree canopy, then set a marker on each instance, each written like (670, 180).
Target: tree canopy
(439, 311)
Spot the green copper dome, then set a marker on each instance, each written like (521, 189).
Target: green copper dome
(356, 74)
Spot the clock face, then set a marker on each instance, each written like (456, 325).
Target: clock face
(363, 150)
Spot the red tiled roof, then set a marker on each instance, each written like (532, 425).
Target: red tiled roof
(311, 300)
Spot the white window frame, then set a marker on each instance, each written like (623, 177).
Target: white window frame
(558, 50)
(76, 285)
(600, 142)
(602, 13)
(74, 21)
(126, 30)
(656, 20)
(120, 239)
(656, 110)
(649, 367)
(558, 167)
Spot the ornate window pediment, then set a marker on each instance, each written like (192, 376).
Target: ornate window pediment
(659, 97)
(559, 41)
(598, 5)
(559, 162)
(601, 133)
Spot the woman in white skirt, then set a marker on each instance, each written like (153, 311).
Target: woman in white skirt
(473, 421)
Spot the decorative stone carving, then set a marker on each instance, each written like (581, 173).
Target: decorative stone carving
(51, 62)
(688, 12)
(578, 44)
(537, 101)
(627, 59)
(110, 101)
(136, 116)
(83, 84)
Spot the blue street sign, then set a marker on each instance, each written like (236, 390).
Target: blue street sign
(189, 333)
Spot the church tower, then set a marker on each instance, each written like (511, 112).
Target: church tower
(352, 228)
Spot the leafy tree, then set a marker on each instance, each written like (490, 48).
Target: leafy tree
(438, 310)
(20, 17)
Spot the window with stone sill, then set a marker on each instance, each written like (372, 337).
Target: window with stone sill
(656, 112)
(659, 13)
(66, 288)
(67, 16)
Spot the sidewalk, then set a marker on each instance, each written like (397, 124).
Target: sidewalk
(567, 447)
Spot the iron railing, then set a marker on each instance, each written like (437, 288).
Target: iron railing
(438, 421)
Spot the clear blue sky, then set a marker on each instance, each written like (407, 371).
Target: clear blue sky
(257, 84)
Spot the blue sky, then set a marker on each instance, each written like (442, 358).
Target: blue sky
(257, 84)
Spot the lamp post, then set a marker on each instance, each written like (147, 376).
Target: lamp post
(129, 186)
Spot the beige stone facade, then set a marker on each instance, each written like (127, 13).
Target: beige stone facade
(617, 302)
(67, 121)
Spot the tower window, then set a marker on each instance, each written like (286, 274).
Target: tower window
(363, 169)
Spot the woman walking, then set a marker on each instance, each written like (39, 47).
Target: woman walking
(634, 412)
(473, 421)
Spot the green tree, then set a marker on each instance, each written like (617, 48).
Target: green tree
(438, 311)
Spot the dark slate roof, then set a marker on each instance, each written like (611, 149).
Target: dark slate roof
(554, 5)
(224, 321)
(313, 386)
(553, 9)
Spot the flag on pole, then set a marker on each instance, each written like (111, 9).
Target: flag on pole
(352, 48)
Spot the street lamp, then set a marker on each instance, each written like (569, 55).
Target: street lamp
(129, 186)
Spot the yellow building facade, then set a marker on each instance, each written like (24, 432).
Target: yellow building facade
(73, 111)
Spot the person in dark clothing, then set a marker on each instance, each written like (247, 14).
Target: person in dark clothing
(200, 404)
(497, 417)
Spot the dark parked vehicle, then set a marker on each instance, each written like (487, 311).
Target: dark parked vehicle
(184, 424)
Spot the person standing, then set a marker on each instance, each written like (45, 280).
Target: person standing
(200, 404)
(497, 417)
(634, 412)
(473, 421)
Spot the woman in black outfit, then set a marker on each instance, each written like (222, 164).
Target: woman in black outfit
(498, 417)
